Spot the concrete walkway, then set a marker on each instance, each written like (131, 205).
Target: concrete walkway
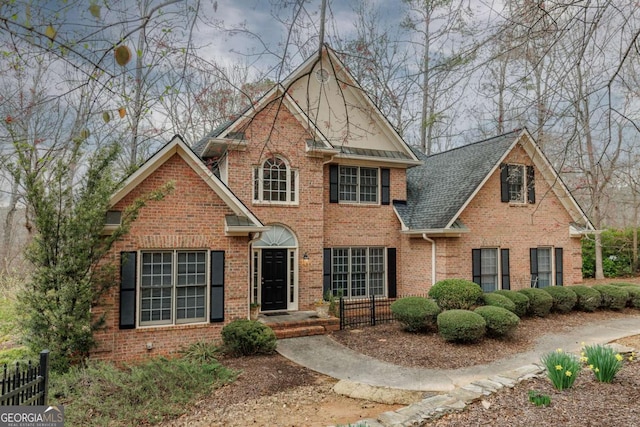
(439, 390)
(322, 354)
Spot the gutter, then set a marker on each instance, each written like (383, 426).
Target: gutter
(433, 257)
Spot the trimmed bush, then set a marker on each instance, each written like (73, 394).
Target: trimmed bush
(520, 300)
(497, 300)
(540, 302)
(452, 294)
(415, 313)
(589, 299)
(246, 337)
(613, 297)
(634, 293)
(500, 321)
(564, 299)
(461, 326)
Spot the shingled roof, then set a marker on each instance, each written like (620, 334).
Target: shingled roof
(439, 188)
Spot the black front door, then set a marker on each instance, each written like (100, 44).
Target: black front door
(274, 279)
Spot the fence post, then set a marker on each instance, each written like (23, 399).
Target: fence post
(44, 373)
(373, 310)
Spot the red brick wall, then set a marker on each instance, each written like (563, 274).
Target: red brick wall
(508, 226)
(191, 217)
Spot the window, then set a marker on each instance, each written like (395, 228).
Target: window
(358, 272)
(173, 287)
(358, 185)
(275, 182)
(517, 184)
(546, 267)
(491, 268)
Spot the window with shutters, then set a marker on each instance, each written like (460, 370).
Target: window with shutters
(491, 268)
(358, 271)
(517, 183)
(275, 182)
(358, 184)
(546, 267)
(173, 287)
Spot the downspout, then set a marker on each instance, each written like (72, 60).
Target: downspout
(433, 257)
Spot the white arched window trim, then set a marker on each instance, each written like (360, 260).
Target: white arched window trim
(275, 182)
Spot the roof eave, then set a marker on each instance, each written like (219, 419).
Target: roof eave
(395, 162)
(231, 231)
(436, 232)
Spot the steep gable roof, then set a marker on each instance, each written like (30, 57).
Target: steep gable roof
(242, 221)
(440, 189)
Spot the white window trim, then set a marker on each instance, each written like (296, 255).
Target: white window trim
(292, 274)
(552, 261)
(259, 169)
(385, 285)
(174, 321)
(525, 186)
(358, 202)
(498, 266)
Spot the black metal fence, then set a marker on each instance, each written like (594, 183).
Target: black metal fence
(27, 385)
(367, 311)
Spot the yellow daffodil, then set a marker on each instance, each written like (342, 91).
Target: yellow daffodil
(568, 373)
(590, 367)
(558, 367)
(584, 359)
(630, 358)
(619, 357)
(582, 344)
(596, 370)
(558, 350)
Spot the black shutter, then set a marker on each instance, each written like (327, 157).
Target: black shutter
(333, 183)
(504, 183)
(533, 260)
(504, 262)
(217, 286)
(559, 269)
(128, 271)
(385, 179)
(531, 184)
(326, 271)
(475, 255)
(392, 273)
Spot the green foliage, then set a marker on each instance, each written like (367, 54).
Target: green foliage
(564, 299)
(201, 352)
(500, 321)
(415, 313)
(520, 300)
(602, 361)
(498, 300)
(540, 302)
(562, 368)
(101, 394)
(453, 294)
(589, 299)
(613, 297)
(617, 253)
(539, 399)
(461, 326)
(66, 281)
(633, 291)
(246, 337)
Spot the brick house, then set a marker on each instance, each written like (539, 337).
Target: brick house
(312, 190)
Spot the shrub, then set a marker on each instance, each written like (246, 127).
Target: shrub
(613, 297)
(602, 361)
(520, 300)
(245, 337)
(497, 300)
(452, 294)
(500, 321)
(564, 299)
(634, 293)
(461, 326)
(201, 352)
(562, 368)
(540, 302)
(415, 313)
(589, 299)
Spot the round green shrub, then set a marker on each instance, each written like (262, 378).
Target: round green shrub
(245, 337)
(540, 302)
(613, 297)
(520, 300)
(634, 293)
(497, 300)
(500, 321)
(452, 294)
(461, 326)
(589, 299)
(564, 299)
(415, 313)
(625, 285)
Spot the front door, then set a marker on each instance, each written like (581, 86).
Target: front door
(274, 279)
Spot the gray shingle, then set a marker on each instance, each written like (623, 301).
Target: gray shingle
(438, 189)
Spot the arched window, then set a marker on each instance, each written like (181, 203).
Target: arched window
(275, 182)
